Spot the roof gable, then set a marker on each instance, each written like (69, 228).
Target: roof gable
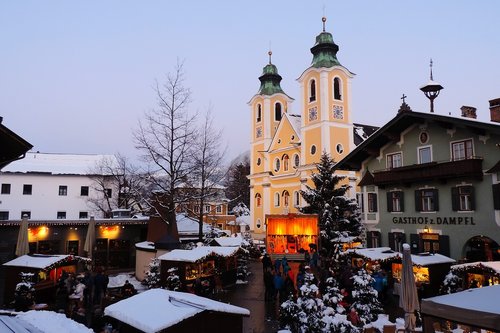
(287, 127)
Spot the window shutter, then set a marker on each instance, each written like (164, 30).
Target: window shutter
(444, 245)
(389, 201)
(402, 200)
(418, 200)
(472, 198)
(455, 205)
(375, 203)
(391, 241)
(415, 243)
(369, 235)
(435, 195)
(496, 196)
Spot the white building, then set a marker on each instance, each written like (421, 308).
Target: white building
(53, 186)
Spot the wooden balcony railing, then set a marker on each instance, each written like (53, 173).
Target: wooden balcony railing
(466, 168)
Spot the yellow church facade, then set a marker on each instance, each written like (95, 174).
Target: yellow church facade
(285, 146)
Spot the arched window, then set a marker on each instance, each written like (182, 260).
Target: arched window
(276, 199)
(259, 161)
(312, 91)
(277, 111)
(285, 162)
(296, 199)
(277, 165)
(286, 198)
(313, 149)
(296, 160)
(259, 112)
(337, 93)
(258, 225)
(258, 200)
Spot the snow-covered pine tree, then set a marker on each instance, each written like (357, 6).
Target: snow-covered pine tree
(173, 281)
(289, 314)
(339, 215)
(26, 285)
(310, 306)
(242, 270)
(241, 210)
(332, 296)
(451, 284)
(152, 279)
(365, 297)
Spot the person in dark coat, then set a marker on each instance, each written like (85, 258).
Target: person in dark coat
(266, 262)
(289, 288)
(99, 286)
(269, 285)
(277, 265)
(279, 284)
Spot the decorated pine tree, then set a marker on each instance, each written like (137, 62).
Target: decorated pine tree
(173, 281)
(289, 314)
(339, 216)
(310, 306)
(333, 297)
(152, 279)
(242, 270)
(365, 297)
(451, 284)
(336, 322)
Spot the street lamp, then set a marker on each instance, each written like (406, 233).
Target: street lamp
(431, 89)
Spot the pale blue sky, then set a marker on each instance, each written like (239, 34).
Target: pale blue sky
(75, 76)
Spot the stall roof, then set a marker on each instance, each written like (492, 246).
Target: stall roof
(493, 265)
(199, 253)
(430, 259)
(477, 307)
(157, 309)
(231, 241)
(145, 245)
(376, 253)
(41, 261)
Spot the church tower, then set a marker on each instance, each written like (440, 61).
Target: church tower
(268, 107)
(325, 90)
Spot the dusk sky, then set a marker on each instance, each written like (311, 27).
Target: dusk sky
(76, 76)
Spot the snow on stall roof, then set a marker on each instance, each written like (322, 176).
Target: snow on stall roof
(189, 226)
(231, 241)
(493, 265)
(483, 299)
(40, 261)
(118, 280)
(198, 253)
(73, 164)
(430, 259)
(52, 322)
(158, 309)
(145, 245)
(376, 253)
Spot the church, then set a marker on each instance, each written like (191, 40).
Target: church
(284, 146)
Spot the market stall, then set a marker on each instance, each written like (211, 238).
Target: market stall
(478, 274)
(470, 310)
(292, 233)
(429, 270)
(47, 269)
(372, 259)
(204, 262)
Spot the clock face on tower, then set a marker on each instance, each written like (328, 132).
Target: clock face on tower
(338, 112)
(258, 133)
(313, 113)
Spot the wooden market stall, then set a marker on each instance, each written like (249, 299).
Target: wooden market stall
(291, 234)
(429, 270)
(372, 259)
(478, 274)
(47, 269)
(204, 262)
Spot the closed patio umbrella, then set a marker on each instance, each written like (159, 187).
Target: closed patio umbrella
(408, 298)
(90, 238)
(22, 245)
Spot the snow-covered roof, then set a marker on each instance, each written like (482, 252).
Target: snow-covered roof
(40, 261)
(157, 309)
(72, 164)
(118, 280)
(199, 253)
(296, 122)
(145, 245)
(493, 265)
(188, 226)
(376, 253)
(231, 241)
(430, 259)
(51, 322)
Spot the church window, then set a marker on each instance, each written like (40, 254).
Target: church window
(340, 148)
(296, 160)
(258, 200)
(296, 199)
(277, 165)
(277, 111)
(286, 198)
(337, 93)
(276, 199)
(259, 161)
(313, 149)
(258, 132)
(312, 91)
(259, 112)
(285, 162)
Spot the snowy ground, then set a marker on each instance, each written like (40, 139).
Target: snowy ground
(117, 281)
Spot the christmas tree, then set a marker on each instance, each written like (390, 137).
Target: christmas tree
(451, 284)
(152, 279)
(339, 216)
(173, 281)
(365, 297)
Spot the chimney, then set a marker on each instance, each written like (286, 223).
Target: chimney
(495, 110)
(468, 112)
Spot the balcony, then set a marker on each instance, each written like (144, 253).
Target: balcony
(466, 168)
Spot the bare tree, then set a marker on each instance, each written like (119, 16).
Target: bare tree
(207, 162)
(118, 185)
(165, 137)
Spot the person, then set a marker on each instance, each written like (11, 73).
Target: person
(307, 257)
(99, 281)
(128, 289)
(300, 276)
(266, 262)
(198, 288)
(269, 285)
(279, 284)
(79, 290)
(314, 259)
(277, 265)
(61, 301)
(289, 288)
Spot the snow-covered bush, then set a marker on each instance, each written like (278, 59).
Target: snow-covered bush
(152, 279)
(451, 284)
(173, 280)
